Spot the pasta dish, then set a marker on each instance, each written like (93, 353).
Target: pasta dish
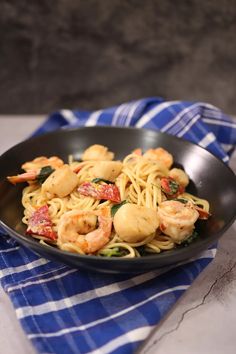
(105, 207)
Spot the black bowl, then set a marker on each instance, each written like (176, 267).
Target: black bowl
(210, 179)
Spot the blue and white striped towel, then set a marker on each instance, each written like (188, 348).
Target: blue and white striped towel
(64, 310)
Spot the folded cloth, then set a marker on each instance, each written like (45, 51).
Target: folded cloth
(65, 310)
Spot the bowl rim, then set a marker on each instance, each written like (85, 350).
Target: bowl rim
(102, 127)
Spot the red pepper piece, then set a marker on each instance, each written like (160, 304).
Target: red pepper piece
(170, 187)
(40, 224)
(203, 215)
(100, 191)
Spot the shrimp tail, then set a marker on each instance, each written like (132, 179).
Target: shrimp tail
(23, 177)
(105, 212)
(137, 151)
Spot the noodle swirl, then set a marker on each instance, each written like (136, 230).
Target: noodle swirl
(79, 190)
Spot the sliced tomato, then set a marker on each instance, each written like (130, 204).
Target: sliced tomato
(100, 191)
(40, 223)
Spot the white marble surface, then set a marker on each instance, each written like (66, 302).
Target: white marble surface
(202, 322)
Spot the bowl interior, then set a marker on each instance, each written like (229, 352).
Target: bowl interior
(210, 179)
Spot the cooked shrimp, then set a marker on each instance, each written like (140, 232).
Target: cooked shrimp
(33, 168)
(159, 154)
(177, 219)
(101, 236)
(42, 161)
(78, 228)
(134, 223)
(98, 153)
(179, 176)
(23, 177)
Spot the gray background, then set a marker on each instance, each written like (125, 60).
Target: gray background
(96, 53)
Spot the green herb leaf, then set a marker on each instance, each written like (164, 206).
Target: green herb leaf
(44, 173)
(142, 251)
(97, 180)
(113, 252)
(169, 186)
(181, 200)
(115, 207)
(174, 186)
(190, 239)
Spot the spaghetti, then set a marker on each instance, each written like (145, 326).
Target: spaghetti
(109, 208)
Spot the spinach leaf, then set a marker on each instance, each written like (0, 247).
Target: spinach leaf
(142, 251)
(115, 207)
(44, 173)
(113, 252)
(190, 239)
(97, 180)
(174, 187)
(169, 186)
(181, 200)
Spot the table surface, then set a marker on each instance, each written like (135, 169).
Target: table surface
(202, 321)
